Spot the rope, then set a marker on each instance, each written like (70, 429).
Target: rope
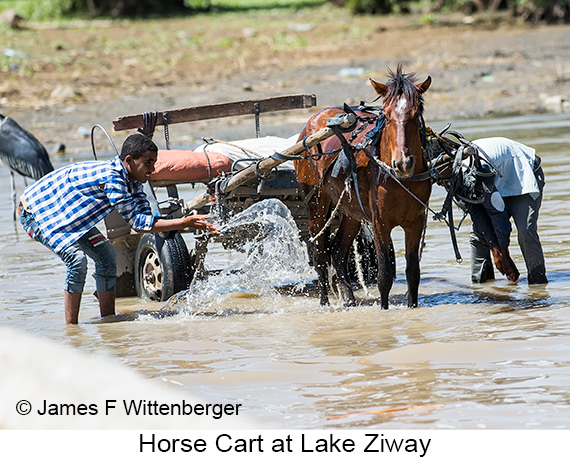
(93, 140)
(149, 123)
(257, 110)
(333, 214)
(209, 165)
(208, 140)
(423, 239)
(390, 172)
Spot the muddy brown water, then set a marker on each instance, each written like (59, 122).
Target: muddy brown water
(491, 356)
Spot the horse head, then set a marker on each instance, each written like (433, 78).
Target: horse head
(401, 146)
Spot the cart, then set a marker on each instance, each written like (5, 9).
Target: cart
(157, 266)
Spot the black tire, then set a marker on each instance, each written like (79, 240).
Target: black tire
(163, 266)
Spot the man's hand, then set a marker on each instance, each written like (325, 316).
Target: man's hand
(199, 222)
(505, 264)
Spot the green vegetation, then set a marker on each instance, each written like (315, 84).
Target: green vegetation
(530, 10)
(54, 9)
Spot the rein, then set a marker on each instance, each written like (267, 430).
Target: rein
(462, 185)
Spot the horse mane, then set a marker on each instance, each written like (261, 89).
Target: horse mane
(400, 83)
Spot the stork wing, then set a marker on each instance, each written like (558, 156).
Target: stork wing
(21, 151)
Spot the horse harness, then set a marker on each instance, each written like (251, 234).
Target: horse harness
(346, 158)
(463, 187)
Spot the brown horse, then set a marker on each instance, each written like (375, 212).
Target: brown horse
(380, 163)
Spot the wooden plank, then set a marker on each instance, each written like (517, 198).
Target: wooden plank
(219, 110)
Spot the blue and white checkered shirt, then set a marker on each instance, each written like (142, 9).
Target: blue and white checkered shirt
(70, 201)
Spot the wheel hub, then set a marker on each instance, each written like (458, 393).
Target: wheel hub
(152, 276)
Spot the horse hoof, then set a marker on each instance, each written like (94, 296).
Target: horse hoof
(351, 303)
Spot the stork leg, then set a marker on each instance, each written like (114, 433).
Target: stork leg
(13, 187)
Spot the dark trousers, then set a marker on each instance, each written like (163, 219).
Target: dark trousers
(523, 209)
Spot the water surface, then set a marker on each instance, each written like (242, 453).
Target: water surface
(486, 356)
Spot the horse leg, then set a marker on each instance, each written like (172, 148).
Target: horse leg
(413, 240)
(386, 266)
(320, 250)
(345, 235)
(392, 259)
(321, 265)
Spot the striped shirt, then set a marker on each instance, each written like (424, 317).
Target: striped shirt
(70, 201)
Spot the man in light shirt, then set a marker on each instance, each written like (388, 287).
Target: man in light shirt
(517, 193)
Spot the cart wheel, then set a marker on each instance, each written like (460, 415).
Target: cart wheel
(163, 266)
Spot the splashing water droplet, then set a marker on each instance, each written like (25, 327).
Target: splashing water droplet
(273, 255)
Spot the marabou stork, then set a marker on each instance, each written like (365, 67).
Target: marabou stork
(22, 153)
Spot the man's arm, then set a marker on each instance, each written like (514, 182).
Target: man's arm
(498, 218)
(491, 221)
(195, 221)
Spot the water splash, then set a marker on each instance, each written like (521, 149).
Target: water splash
(273, 255)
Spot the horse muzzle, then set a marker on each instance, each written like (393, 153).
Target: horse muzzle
(404, 168)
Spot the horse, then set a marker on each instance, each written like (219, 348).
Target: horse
(376, 174)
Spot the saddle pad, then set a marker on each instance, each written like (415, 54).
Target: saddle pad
(188, 165)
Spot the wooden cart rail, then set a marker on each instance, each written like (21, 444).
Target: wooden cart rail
(218, 110)
(137, 271)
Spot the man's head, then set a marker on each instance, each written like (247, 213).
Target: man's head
(139, 154)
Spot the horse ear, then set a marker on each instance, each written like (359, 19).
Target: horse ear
(381, 89)
(423, 87)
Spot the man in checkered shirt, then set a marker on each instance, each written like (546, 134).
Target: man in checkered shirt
(62, 209)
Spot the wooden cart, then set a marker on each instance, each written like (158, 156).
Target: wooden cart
(156, 266)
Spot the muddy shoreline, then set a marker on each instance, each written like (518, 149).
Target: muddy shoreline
(476, 71)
